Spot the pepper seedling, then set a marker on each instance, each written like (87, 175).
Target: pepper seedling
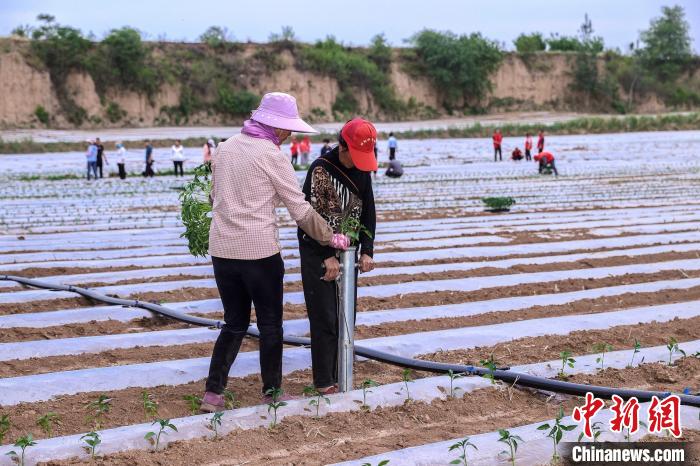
(602, 348)
(490, 364)
(23, 443)
(92, 440)
(230, 401)
(597, 429)
(673, 348)
(196, 211)
(352, 228)
(462, 446)
(99, 407)
(317, 397)
(215, 423)
(4, 426)
(406, 377)
(637, 348)
(150, 407)
(275, 404)
(381, 463)
(454, 376)
(47, 421)
(193, 403)
(164, 424)
(556, 432)
(366, 385)
(512, 442)
(566, 360)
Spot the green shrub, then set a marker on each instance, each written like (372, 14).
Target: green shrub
(41, 114)
(114, 112)
(460, 66)
(236, 103)
(498, 204)
(667, 51)
(528, 43)
(61, 48)
(215, 36)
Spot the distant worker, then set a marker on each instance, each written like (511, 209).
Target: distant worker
(91, 156)
(393, 145)
(326, 148)
(546, 161)
(294, 149)
(178, 156)
(149, 160)
(528, 146)
(305, 149)
(101, 156)
(497, 140)
(395, 169)
(517, 154)
(208, 151)
(540, 142)
(121, 160)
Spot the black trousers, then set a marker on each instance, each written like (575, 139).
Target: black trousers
(99, 166)
(497, 152)
(122, 171)
(543, 165)
(240, 283)
(528, 155)
(178, 165)
(392, 153)
(322, 308)
(149, 169)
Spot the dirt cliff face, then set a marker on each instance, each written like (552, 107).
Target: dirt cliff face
(537, 81)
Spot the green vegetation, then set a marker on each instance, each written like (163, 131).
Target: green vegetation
(512, 442)
(196, 211)
(163, 424)
(236, 103)
(556, 432)
(673, 348)
(215, 423)
(193, 403)
(529, 43)
(98, 409)
(150, 407)
(407, 377)
(47, 421)
(92, 441)
(459, 66)
(566, 360)
(498, 204)
(275, 403)
(354, 69)
(4, 427)
(316, 397)
(216, 37)
(23, 443)
(41, 114)
(366, 385)
(114, 112)
(637, 348)
(461, 446)
(602, 348)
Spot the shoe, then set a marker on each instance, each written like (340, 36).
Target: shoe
(212, 403)
(330, 390)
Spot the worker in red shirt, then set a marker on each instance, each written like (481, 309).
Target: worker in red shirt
(540, 142)
(528, 146)
(497, 139)
(546, 159)
(517, 154)
(294, 148)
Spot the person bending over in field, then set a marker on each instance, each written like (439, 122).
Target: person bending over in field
(546, 161)
(339, 187)
(517, 154)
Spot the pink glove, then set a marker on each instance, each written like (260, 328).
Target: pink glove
(339, 241)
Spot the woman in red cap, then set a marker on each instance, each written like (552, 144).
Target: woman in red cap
(338, 186)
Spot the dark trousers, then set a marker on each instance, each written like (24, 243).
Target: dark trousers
(91, 166)
(295, 159)
(543, 165)
(497, 153)
(149, 169)
(122, 171)
(392, 153)
(528, 155)
(240, 283)
(99, 166)
(322, 308)
(178, 165)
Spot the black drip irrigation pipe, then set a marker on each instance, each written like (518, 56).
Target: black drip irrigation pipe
(507, 376)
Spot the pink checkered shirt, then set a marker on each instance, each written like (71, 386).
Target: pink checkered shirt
(250, 177)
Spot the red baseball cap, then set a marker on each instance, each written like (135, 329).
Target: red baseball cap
(361, 137)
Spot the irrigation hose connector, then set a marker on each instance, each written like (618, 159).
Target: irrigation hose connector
(346, 319)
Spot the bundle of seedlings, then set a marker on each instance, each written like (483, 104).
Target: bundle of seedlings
(196, 211)
(498, 204)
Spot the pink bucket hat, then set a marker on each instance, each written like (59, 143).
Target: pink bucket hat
(279, 110)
